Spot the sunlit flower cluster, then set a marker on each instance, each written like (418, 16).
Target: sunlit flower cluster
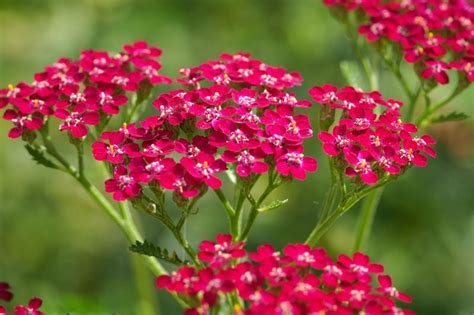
(239, 123)
(298, 280)
(81, 93)
(370, 140)
(437, 35)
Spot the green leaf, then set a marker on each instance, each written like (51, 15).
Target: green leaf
(454, 116)
(149, 249)
(275, 204)
(351, 72)
(39, 157)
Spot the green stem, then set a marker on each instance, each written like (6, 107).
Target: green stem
(346, 203)
(254, 211)
(366, 218)
(422, 120)
(126, 223)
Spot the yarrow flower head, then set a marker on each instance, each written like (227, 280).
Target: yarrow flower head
(82, 92)
(368, 145)
(230, 117)
(435, 35)
(299, 280)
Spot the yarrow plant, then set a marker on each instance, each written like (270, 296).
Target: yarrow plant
(298, 280)
(235, 124)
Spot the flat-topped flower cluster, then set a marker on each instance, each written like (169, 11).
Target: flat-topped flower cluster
(370, 140)
(244, 120)
(298, 280)
(81, 92)
(436, 35)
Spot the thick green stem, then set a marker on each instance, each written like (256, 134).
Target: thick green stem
(366, 218)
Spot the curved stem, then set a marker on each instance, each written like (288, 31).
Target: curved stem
(366, 218)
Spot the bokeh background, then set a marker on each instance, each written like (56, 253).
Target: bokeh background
(55, 243)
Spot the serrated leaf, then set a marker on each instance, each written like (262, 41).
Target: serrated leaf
(149, 249)
(273, 205)
(39, 157)
(454, 116)
(351, 72)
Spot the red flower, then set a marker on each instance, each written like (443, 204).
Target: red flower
(32, 309)
(222, 252)
(123, 185)
(204, 167)
(76, 122)
(295, 164)
(436, 69)
(5, 294)
(387, 288)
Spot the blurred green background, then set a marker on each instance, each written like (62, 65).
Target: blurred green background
(56, 244)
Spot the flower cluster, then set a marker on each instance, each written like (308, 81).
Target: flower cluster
(238, 122)
(365, 143)
(437, 35)
(33, 305)
(300, 280)
(81, 92)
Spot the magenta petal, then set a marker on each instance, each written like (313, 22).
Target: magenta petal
(259, 167)
(78, 131)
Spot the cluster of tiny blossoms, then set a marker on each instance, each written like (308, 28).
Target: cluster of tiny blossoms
(365, 143)
(438, 35)
(81, 93)
(33, 307)
(242, 119)
(300, 280)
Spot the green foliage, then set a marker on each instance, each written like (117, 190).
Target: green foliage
(351, 72)
(38, 155)
(453, 116)
(273, 205)
(150, 249)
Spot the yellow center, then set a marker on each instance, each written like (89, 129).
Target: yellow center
(430, 35)
(377, 141)
(468, 67)
(363, 164)
(205, 164)
(421, 50)
(112, 149)
(10, 87)
(35, 103)
(124, 125)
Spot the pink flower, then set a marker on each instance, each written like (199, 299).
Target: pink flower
(436, 69)
(248, 161)
(22, 123)
(204, 167)
(387, 288)
(302, 280)
(222, 252)
(115, 151)
(123, 185)
(76, 122)
(295, 164)
(32, 309)
(181, 182)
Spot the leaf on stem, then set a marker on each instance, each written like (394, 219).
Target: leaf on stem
(149, 249)
(39, 157)
(454, 116)
(351, 72)
(273, 205)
